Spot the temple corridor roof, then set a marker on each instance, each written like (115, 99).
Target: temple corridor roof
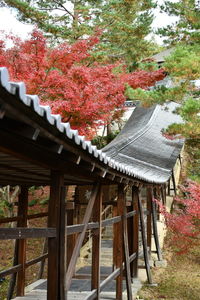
(142, 145)
(139, 151)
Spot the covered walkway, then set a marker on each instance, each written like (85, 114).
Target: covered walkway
(37, 148)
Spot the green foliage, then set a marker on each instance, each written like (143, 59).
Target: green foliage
(102, 141)
(32, 202)
(190, 112)
(184, 63)
(186, 29)
(44, 201)
(123, 25)
(158, 95)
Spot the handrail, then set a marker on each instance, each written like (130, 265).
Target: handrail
(72, 229)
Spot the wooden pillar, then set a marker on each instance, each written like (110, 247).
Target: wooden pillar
(22, 222)
(163, 194)
(134, 264)
(81, 236)
(118, 241)
(168, 187)
(126, 248)
(174, 182)
(130, 230)
(56, 246)
(96, 245)
(144, 241)
(71, 238)
(149, 227)
(155, 229)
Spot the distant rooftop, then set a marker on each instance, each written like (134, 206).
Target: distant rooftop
(160, 57)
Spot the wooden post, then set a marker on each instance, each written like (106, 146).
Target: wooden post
(118, 241)
(149, 227)
(174, 182)
(22, 222)
(96, 245)
(130, 233)
(56, 246)
(134, 264)
(163, 194)
(155, 229)
(144, 241)
(70, 238)
(126, 247)
(80, 238)
(168, 187)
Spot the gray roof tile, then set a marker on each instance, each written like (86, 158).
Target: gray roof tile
(139, 150)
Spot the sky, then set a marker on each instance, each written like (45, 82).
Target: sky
(8, 22)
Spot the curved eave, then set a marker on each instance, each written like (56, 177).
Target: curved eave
(50, 125)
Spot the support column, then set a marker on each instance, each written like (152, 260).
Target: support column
(126, 248)
(163, 194)
(56, 246)
(144, 241)
(22, 222)
(174, 182)
(134, 264)
(130, 234)
(96, 245)
(149, 227)
(118, 242)
(155, 229)
(81, 236)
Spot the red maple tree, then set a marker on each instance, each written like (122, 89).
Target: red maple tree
(84, 93)
(184, 221)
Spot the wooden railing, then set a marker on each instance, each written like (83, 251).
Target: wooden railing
(125, 229)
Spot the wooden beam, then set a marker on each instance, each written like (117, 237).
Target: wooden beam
(56, 200)
(163, 194)
(134, 264)
(149, 226)
(126, 249)
(22, 222)
(80, 238)
(155, 229)
(62, 245)
(118, 241)
(96, 245)
(144, 241)
(10, 271)
(174, 182)
(70, 237)
(26, 233)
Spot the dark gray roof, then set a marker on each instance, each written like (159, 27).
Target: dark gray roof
(142, 146)
(139, 151)
(160, 57)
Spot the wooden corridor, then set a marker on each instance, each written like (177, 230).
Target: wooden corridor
(38, 149)
(80, 287)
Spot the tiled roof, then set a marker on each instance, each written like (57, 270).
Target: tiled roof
(141, 144)
(131, 166)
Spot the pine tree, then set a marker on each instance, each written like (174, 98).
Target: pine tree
(187, 28)
(123, 24)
